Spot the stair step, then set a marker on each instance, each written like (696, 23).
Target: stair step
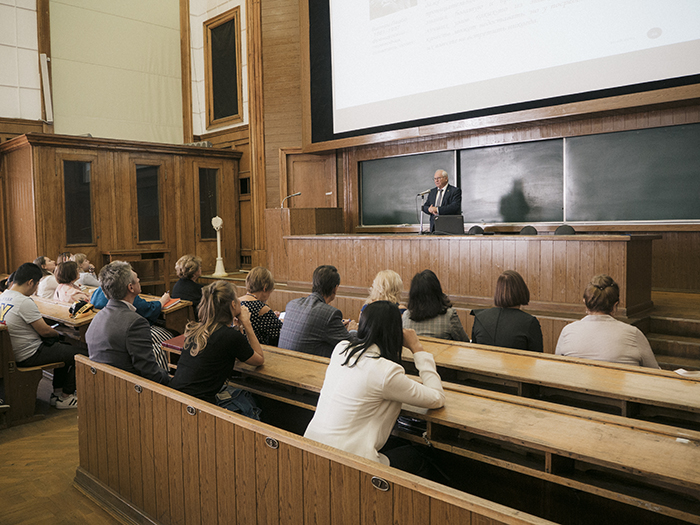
(669, 362)
(674, 345)
(675, 326)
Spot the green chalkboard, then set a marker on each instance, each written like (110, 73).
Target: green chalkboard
(646, 175)
(389, 186)
(513, 183)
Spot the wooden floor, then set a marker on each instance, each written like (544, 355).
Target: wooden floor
(679, 305)
(37, 466)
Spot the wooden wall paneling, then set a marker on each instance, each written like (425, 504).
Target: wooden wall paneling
(206, 248)
(14, 127)
(230, 214)
(443, 512)
(83, 385)
(226, 480)
(291, 485)
(160, 459)
(377, 506)
(573, 271)
(346, 500)
(190, 462)
(20, 205)
(125, 213)
(133, 399)
(207, 468)
(176, 458)
(101, 429)
(246, 490)
(317, 490)
(546, 271)
(148, 444)
(639, 276)
(410, 507)
(165, 173)
(186, 71)
(112, 447)
(312, 175)
(267, 481)
(122, 412)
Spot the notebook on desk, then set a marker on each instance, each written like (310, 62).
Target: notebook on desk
(449, 225)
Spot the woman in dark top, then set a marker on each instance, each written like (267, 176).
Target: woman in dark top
(188, 269)
(259, 285)
(212, 345)
(507, 325)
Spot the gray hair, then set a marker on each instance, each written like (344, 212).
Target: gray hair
(443, 173)
(115, 279)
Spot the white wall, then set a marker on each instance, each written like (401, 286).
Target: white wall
(20, 83)
(116, 69)
(200, 12)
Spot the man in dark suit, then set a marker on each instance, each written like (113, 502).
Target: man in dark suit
(311, 324)
(118, 336)
(443, 199)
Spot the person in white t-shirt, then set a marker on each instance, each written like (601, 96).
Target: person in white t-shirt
(28, 329)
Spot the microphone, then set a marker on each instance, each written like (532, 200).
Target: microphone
(285, 199)
(424, 192)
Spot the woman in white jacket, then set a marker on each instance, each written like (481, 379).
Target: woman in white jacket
(365, 385)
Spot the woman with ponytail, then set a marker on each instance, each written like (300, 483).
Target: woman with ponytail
(599, 335)
(212, 346)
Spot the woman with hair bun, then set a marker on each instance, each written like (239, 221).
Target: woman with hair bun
(188, 269)
(212, 347)
(599, 335)
(507, 325)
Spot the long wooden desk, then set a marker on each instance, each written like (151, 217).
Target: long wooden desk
(175, 318)
(632, 391)
(639, 463)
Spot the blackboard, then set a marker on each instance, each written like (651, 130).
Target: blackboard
(513, 183)
(389, 186)
(646, 175)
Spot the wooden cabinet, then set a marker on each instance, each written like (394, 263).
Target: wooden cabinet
(103, 196)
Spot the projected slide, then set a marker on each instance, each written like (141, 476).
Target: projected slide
(402, 60)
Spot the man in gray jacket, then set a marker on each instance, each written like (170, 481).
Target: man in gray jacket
(118, 336)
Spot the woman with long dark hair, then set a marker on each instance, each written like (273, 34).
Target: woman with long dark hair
(430, 311)
(212, 346)
(365, 385)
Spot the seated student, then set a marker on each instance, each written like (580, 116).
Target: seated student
(507, 325)
(188, 269)
(118, 336)
(259, 285)
(27, 329)
(600, 336)
(6, 283)
(311, 324)
(387, 286)
(86, 270)
(150, 310)
(365, 386)
(64, 257)
(67, 291)
(48, 283)
(212, 347)
(430, 312)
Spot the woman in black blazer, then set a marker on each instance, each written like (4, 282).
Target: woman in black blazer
(507, 325)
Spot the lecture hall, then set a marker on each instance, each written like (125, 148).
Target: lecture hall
(342, 262)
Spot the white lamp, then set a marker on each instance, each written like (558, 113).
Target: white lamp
(217, 223)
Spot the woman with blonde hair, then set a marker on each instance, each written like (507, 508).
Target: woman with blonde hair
(86, 270)
(387, 286)
(599, 335)
(212, 346)
(48, 283)
(259, 285)
(188, 269)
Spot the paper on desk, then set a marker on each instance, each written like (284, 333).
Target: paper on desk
(686, 373)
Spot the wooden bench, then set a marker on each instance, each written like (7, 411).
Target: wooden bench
(154, 455)
(638, 463)
(20, 383)
(630, 391)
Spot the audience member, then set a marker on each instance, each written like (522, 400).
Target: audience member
(67, 291)
(600, 336)
(259, 285)
(507, 325)
(311, 324)
(387, 286)
(365, 386)
(212, 347)
(35, 343)
(48, 283)
(118, 336)
(188, 269)
(430, 311)
(86, 270)
(64, 257)
(150, 310)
